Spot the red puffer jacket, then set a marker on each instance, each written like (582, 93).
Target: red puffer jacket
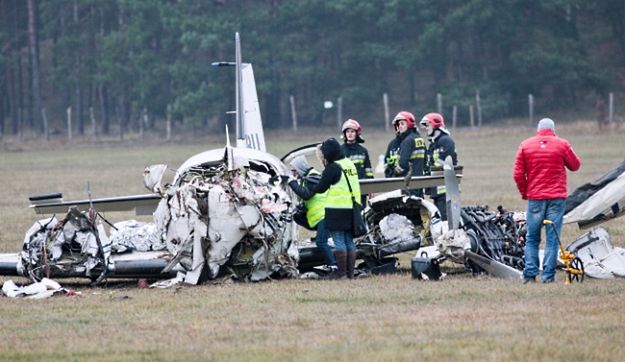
(539, 166)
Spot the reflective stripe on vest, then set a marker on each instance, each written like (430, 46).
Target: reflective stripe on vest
(339, 196)
(419, 151)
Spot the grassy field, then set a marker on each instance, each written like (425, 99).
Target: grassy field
(377, 318)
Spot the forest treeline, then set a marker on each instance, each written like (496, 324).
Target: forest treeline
(128, 63)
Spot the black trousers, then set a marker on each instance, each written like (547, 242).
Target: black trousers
(441, 203)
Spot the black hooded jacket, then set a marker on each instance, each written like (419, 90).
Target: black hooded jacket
(336, 219)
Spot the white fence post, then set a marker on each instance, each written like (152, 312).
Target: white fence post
(46, 130)
(386, 112)
(439, 103)
(611, 108)
(94, 128)
(454, 117)
(530, 101)
(339, 112)
(478, 105)
(69, 123)
(293, 112)
(168, 125)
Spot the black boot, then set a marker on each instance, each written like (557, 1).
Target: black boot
(341, 263)
(351, 262)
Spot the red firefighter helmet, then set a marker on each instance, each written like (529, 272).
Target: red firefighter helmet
(433, 119)
(351, 124)
(406, 116)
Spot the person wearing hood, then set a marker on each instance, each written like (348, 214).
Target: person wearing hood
(315, 207)
(338, 176)
(406, 151)
(441, 146)
(354, 150)
(540, 175)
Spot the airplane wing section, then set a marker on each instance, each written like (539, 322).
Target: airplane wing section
(377, 185)
(493, 267)
(142, 204)
(598, 201)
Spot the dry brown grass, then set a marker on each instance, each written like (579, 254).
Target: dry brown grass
(379, 318)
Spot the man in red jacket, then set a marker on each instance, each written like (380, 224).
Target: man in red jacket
(540, 175)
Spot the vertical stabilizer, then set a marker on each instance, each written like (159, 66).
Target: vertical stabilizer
(249, 130)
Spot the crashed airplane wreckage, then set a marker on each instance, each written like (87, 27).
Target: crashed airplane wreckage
(219, 217)
(225, 213)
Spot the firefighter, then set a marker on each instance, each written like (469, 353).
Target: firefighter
(441, 145)
(407, 150)
(354, 150)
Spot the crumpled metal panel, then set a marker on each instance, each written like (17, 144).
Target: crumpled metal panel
(395, 227)
(152, 176)
(38, 290)
(70, 247)
(453, 243)
(601, 259)
(235, 219)
(135, 235)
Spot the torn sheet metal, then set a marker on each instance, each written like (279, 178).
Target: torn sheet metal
(66, 248)
(451, 244)
(601, 259)
(397, 223)
(152, 176)
(132, 235)
(235, 222)
(598, 201)
(38, 290)
(396, 227)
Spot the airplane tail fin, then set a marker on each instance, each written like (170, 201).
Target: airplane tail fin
(249, 123)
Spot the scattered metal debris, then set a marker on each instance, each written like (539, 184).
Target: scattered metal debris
(38, 290)
(600, 258)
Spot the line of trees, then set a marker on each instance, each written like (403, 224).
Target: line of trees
(125, 59)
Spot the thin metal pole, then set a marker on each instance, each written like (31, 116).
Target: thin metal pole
(386, 111)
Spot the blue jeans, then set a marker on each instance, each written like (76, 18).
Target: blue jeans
(537, 211)
(343, 240)
(321, 240)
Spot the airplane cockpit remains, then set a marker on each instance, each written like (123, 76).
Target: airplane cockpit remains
(232, 215)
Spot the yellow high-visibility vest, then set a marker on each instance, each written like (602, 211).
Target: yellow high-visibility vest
(339, 196)
(315, 206)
